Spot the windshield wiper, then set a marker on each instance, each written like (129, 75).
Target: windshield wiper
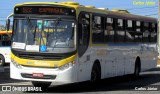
(35, 33)
(28, 21)
(28, 28)
(30, 25)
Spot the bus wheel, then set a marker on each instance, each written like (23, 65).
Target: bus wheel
(137, 68)
(43, 85)
(136, 71)
(2, 60)
(95, 74)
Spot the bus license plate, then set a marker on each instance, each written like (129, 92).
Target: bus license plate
(37, 75)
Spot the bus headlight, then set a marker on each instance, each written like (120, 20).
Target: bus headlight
(66, 66)
(16, 64)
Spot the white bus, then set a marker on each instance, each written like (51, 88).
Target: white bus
(66, 42)
(5, 43)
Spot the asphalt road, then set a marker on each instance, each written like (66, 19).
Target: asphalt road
(116, 85)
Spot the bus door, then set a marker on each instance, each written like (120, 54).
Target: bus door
(83, 43)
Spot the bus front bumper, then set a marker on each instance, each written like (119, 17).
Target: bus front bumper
(68, 75)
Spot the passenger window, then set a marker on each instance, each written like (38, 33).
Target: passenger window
(153, 36)
(120, 23)
(129, 31)
(129, 25)
(5, 40)
(138, 32)
(109, 32)
(146, 32)
(97, 29)
(120, 32)
(138, 26)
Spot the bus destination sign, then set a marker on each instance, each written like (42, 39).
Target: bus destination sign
(44, 10)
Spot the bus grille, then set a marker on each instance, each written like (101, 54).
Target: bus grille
(38, 57)
(24, 75)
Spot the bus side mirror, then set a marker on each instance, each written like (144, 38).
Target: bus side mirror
(7, 24)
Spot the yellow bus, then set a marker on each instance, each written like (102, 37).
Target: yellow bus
(5, 43)
(65, 42)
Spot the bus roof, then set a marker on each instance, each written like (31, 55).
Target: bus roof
(5, 32)
(93, 9)
(69, 4)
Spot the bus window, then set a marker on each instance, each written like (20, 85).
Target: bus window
(138, 26)
(120, 24)
(97, 30)
(153, 35)
(138, 32)
(120, 33)
(21, 27)
(129, 25)
(5, 40)
(129, 31)
(146, 32)
(109, 32)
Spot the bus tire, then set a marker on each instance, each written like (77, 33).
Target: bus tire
(95, 73)
(43, 85)
(2, 60)
(137, 68)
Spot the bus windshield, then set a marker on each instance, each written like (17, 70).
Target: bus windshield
(53, 35)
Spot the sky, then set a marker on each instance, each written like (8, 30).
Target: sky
(139, 7)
